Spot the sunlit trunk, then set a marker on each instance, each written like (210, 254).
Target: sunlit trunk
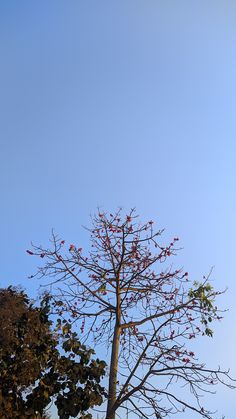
(113, 374)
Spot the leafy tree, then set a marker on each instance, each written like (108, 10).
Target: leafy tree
(32, 370)
(126, 295)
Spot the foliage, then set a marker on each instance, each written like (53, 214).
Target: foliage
(32, 370)
(126, 295)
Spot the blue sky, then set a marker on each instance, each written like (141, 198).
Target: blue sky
(122, 103)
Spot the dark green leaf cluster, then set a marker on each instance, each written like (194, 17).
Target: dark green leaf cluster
(38, 366)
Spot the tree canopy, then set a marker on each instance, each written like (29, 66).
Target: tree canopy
(126, 294)
(39, 365)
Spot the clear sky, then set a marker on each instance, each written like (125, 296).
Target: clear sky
(122, 103)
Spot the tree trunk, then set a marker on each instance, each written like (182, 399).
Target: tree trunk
(113, 373)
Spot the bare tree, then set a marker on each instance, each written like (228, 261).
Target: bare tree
(126, 295)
